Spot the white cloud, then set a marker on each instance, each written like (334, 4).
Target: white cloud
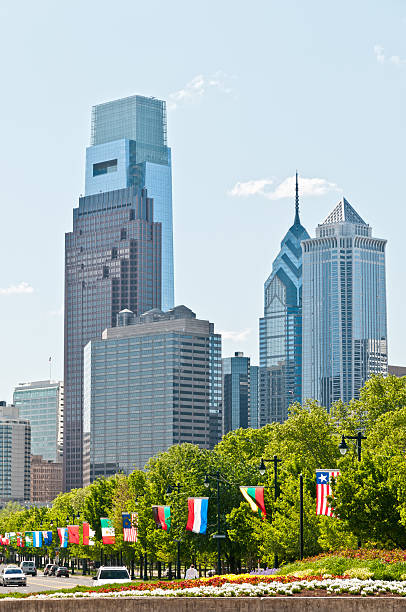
(23, 287)
(197, 87)
(382, 59)
(285, 189)
(235, 336)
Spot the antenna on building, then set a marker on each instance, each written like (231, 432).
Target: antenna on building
(50, 369)
(297, 219)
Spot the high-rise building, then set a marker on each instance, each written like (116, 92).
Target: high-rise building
(15, 455)
(280, 329)
(240, 400)
(46, 480)
(152, 381)
(41, 403)
(112, 261)
(344, 307)
(129, 148)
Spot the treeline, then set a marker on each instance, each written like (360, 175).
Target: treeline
(369, 496)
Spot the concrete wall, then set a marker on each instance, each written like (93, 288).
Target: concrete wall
(240, 604)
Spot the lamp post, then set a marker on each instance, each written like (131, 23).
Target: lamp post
(218, 536)
(262, 469)
(178, 541)
(343, 446)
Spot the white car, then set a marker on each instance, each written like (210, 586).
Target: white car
(13, 575)
(109, 575)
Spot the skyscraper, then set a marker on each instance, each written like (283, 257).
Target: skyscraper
(344, 307)
(15, 455)
(129, 148)
(280, 329)
(112, 261)
(150, 382)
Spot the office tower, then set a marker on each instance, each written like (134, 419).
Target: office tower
(15, 455)
(280, 329)
(129, 148)
(254, 419)
(240, 393)
(41, 403)
(46, 480)
(344, 307)
(112, 261)
(149, 383)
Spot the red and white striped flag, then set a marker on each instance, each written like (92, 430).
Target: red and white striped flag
(323, 485)
(130, 526)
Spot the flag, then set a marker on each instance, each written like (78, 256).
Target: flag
(255, 498)
(29, 537)
(12, 538)
(47, 538)
(6, 540)
(20, 539)
(130, 526)
(63, 536)
(73, 534)
(88, 535)
(323, 480)
(162, 516)
(197, 517)
(108, 533)
(37, 539)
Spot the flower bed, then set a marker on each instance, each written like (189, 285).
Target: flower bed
(364, 554)
(243, 586)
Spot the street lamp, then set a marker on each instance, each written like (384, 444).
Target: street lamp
(169, 490)
(217, 536)
(343, 446)
(262, 470)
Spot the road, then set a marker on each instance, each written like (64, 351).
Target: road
(43, 583)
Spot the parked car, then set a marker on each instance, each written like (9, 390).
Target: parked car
(28, 567)
(61, 572)
(13, 575)
(108, 575)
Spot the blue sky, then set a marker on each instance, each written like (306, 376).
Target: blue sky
(255, 90)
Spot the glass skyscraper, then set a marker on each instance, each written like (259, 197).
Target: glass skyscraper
(152, 381)
(280, 329)
(129, 148)
(344, 307)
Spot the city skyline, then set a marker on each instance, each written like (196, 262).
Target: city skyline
(240, 123)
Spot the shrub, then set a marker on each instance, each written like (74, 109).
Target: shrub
(362, 573)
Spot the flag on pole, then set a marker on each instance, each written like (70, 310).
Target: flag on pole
(108, 533)
(73, 534)
(29, 537)
(323, 490)
(88, 535)
(37, 539)
(130, 526)
(197, 516)
(47, 538)
(255, 498)
(12, 538)
(162, 517)
(20, 539)
(63, 536)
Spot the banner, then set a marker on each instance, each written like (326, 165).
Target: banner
(323, 490)
(63, 536)
(29, 537)
(37, 539)
(255, 498)
(88, 535)
(162, 517)
(197, 514)
(73, 534)
(108, 533)
(130, 526)
(47, 538)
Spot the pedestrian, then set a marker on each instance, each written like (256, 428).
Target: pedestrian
(191, 573)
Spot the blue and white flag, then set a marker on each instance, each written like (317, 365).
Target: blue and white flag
(47, 538)
(63, 536)
(37, 539)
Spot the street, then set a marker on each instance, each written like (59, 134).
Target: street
(42, 583)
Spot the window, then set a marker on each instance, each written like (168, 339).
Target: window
(105, 167)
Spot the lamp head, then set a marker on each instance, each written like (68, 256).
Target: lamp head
(343, 447)
(262, 467)
(206, 481)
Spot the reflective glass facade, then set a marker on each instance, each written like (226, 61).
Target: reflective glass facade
(240, 393)
(280, 329)
(41, 403)
(150, 382)
(15, 456)
(344, 307)
(112, 261)
(129, 148)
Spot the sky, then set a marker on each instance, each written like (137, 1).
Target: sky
(255, 91)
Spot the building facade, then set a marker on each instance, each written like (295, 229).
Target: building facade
(152, 381)
(344, 307)
(15, 455)
(41, 403)
(240, 393)
(280, 329)
(129, 148)
(46, 480)
(398, 371)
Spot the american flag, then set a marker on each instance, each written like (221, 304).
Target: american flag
(130, 526)
(323, 480)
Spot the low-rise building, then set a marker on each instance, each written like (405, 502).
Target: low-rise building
(46, 479)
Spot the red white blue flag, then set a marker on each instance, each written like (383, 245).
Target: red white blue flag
(323, 485)
(197, 517)
(130, 526)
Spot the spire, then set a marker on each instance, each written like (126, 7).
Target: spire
(297, 219)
